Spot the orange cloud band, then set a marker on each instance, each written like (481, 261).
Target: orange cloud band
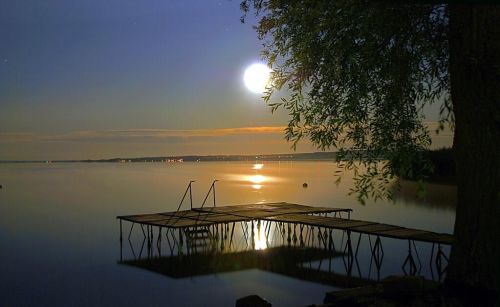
(138, 133)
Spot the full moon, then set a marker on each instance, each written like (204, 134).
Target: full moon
(256, 77)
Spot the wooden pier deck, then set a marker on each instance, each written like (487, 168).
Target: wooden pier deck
(226, 214)
(284, 213)
(365, 227)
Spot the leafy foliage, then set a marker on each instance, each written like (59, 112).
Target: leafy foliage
(357, 75)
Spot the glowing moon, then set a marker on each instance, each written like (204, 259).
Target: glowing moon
(256, 77)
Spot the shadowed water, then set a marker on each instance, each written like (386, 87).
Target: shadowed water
(60, 238)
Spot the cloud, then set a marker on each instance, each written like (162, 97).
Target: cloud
(168, 135)
(188, 133)
(17, 137)
(155, 142)
(136, 134)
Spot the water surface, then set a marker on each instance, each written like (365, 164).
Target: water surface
(60, 237)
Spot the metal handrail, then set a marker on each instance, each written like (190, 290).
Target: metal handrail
(184, 196)
(212, 187)
(182, 200)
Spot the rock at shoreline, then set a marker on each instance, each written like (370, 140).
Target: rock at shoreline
(351, 296)
(252, 301)
(392, 291)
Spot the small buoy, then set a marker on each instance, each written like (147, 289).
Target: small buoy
(304, 185)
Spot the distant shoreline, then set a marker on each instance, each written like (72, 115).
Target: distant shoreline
(311, 156)
(442, 161)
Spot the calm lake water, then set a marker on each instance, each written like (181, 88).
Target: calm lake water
(60, 237)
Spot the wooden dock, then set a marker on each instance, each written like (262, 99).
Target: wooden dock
(365, 227)
(321, 217)
(226, 214)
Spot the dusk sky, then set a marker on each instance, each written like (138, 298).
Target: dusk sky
(119, 78)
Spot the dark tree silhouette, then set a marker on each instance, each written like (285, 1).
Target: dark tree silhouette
(357, 75)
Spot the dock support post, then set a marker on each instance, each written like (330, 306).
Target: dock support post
(170, 246)
(294, 237)
(330, 241)
(231, 236)
(158, 241)
(223, 236)
(181, 243)
(130, 232)
(253, 237)
(151, 230)
(288, 238)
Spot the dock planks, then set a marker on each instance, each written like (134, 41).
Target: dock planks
(225, 214)
(285, 213)
(365, 227)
